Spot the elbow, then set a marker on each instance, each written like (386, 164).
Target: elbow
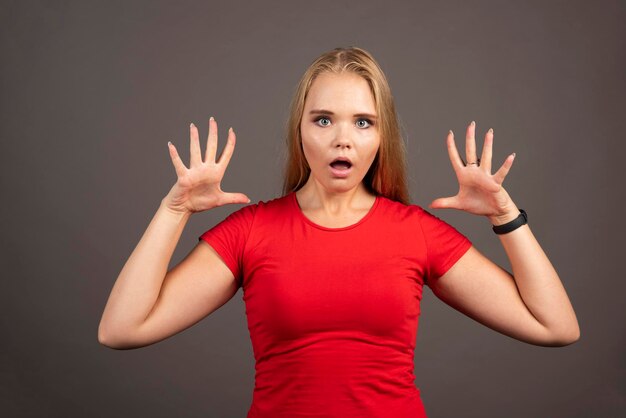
(119, 340)
(110, 343)
(106, 340)
(104, 334)
(567, 337)
(102, 338)
(574, 336)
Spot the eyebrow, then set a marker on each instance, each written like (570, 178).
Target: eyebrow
(328, 112)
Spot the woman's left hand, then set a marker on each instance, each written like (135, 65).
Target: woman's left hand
(480, 192)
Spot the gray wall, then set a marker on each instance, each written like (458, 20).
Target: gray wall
(92, 92)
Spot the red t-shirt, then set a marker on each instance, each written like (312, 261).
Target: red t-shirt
(333, 312)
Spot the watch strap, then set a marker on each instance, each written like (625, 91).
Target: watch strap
(522, 219)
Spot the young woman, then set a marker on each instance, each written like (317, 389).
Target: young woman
(333, 271)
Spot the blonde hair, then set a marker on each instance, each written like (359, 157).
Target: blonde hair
(387, 174)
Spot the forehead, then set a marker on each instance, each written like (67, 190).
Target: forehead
(347, 92)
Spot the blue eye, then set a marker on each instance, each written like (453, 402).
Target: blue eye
(360, 125)
(322, 118)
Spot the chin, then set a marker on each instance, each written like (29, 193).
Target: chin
(340, 186)
(335, 184)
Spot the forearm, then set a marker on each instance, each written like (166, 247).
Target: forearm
(139, 283)
(537, 281)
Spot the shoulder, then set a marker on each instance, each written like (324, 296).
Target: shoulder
(273, 207)
(428, 223)
(414, 211)
(401, 211)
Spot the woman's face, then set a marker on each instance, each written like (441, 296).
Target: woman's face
(339, 120)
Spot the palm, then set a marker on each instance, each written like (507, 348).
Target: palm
(198, 187)
(480, 192)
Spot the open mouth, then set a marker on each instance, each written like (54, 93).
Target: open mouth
(341, 167)
(341, 163)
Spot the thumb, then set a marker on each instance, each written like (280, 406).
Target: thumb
(443, 203)
(236, 198)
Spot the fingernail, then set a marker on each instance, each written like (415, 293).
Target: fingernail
(211, 118)
(450, 131)
(473, 123)
(490, 130)
(191, 125)
(169, 143)
(513, 155)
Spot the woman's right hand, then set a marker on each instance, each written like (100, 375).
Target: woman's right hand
(198, 187)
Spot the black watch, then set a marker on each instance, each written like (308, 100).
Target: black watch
(522, 219)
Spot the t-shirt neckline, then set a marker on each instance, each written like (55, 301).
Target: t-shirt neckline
(301, 214)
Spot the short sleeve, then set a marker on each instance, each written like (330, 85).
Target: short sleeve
(228, 238)
(444, 244)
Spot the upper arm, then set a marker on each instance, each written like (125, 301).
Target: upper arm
(193, 289)
(482, 290)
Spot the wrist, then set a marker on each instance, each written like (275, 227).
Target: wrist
(179, 215)
(505, 217)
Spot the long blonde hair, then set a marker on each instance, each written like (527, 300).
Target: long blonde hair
(387, 174)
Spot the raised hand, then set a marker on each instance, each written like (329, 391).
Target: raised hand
(480, 192)
(198, 187)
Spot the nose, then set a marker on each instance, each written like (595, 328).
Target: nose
(342, 137)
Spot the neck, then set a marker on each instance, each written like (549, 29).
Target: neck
(314, 196)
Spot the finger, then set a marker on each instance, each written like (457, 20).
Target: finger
(178, 164)
(470, 143)
(194, 146)
(228, 149)
(211, 144)
(444, 203)
(485, 158)
(235, 198)
(453, 153)
(504, 170)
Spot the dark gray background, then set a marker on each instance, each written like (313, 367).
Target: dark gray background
(92, 92)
